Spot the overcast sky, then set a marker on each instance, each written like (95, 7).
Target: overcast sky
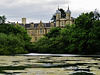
(36, 10)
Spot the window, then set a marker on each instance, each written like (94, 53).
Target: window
(32, 32)
(35, 31)
(58, 16)
(41, 30)
(62, 23)
(57, 24)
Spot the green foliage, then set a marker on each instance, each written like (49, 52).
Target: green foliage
(50, 43)
(85, 21)
(81, 38)
(53, 32)
(63, 13)
(3, 19)
(16, 30)
(13, 39)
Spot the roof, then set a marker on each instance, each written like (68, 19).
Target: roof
(46, 25)
(58, 12)
(68, 11)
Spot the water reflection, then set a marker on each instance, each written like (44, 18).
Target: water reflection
(38, 54)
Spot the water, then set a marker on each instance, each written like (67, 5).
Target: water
(38, 54)
(49, 64)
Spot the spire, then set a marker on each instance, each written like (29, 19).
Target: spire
(57, 11)
(68, 7)
(58, 7)
(68, 11)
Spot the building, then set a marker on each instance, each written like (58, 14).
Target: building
(37, 30)
(62, 22)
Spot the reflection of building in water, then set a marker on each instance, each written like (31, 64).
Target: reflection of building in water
(37, 30)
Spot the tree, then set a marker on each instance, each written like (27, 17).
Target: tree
(11, 44)
(63, 13)
(53, 32)
(13, 39)
(2, 19)
(96, 15)
(86, 33)
(85, 20)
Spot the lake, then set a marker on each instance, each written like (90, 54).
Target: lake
(50, 64)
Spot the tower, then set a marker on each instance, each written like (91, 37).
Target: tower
(68, 14)
(23, 21)
(58, 17)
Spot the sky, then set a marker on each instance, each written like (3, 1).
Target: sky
(37, 10)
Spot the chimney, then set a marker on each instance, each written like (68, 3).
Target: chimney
(23, 21)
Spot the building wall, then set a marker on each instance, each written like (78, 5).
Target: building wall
(37, 34)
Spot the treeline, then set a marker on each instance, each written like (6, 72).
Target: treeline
(13, 40)
(81, 38)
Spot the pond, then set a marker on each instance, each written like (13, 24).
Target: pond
(50, 64)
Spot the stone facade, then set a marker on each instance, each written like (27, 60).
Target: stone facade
(37, 30)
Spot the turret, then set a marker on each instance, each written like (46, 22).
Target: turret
(68, 14)
(23, 21)
(58, 15)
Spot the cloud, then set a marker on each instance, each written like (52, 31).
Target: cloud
(32, 9)
(36, 10)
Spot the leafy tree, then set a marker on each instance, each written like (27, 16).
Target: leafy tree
(11, 44)
(63, 13)
(16, 30)
(53, 32)
(85, 36)
(13, 39)
(85, 20)
(2, 19)
(96, 15)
